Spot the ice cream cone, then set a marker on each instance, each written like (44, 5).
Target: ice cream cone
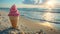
(14, 16)
(14, 21)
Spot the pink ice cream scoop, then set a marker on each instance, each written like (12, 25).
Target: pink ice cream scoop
(13, 11)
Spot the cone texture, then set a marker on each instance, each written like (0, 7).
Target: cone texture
(14, 20)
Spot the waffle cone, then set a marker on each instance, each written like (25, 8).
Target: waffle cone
(14, 21)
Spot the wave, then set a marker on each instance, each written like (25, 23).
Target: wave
(35, 10)
(42, 20)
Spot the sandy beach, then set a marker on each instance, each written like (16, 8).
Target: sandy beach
(26, 25)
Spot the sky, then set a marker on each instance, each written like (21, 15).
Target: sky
(20, 3)
(11, 1)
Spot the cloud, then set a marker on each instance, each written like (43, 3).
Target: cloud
(34, 1)
(28, 1)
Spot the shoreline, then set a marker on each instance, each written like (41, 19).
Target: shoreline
(28, 25)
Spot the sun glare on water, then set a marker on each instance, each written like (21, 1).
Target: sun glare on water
(48, 16)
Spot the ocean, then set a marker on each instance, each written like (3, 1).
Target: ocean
(40, 14)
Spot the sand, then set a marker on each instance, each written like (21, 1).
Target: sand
(25, 25)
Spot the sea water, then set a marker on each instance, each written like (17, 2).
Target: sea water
(40, 14)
